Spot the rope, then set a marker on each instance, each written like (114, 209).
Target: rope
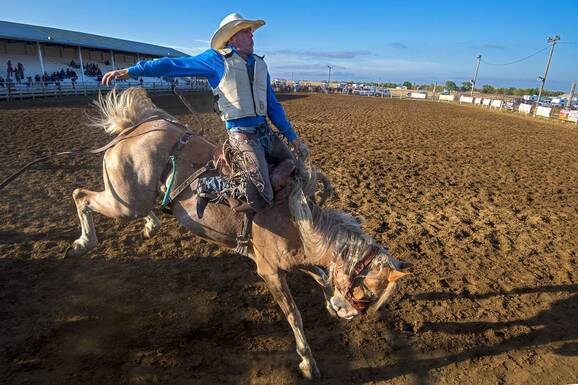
(123, 135)
(167, 197)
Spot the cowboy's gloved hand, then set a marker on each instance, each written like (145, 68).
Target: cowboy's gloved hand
(112, 75)
(300, 148)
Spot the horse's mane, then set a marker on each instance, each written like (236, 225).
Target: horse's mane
(324, 229)
(119, 110)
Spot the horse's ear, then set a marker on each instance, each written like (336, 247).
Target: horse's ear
(394, 275)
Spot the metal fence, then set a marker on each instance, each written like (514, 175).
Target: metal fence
(42, 90)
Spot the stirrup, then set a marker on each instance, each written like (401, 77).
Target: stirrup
(244, 239)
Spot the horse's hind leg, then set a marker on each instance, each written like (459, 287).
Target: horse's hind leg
(86, 202)
(152, 225)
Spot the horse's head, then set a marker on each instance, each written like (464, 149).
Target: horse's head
(366, 284)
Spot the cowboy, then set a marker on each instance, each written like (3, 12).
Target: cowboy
(242, 89)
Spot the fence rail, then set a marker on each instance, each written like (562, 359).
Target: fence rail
(11, 92)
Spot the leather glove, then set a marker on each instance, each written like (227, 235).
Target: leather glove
(300, 148)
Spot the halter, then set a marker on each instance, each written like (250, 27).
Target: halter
(360, 305)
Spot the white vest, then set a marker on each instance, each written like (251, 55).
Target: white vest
(236, 96)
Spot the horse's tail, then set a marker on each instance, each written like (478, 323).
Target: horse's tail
(119, 110)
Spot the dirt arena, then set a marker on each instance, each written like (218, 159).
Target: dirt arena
(484, 204)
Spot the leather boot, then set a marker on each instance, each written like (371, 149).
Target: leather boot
(202, 203)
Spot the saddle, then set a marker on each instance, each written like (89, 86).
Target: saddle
(226, 164)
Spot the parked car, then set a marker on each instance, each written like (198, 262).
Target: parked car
(383, 93)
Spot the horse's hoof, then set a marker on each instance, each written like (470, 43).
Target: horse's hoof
(149, 233)
(71, 251)
(77, 249)
(309, 370)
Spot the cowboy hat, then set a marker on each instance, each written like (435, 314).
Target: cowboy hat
(229, 26)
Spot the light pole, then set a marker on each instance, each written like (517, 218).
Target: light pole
(553, 41)
(329, 77)
(479, 59)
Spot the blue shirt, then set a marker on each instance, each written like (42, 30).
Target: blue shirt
(211, 65)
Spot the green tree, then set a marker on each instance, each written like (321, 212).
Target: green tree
(452, 86)
(466, 86)
(407, 84)
(488, 89)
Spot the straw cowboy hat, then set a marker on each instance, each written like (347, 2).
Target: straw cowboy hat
(229, 26)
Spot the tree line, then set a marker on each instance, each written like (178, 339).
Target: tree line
(467, 86)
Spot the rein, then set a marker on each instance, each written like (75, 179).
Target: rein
(123, 135)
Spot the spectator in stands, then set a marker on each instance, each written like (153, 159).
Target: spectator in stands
(9, 69)
(17, 76)
(140, 81)
(29, 82)
(245, 100)
(1, 81)
(20, 68)
(37, 78)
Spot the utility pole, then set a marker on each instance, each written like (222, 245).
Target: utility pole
(571, 95)
(329, 77)
(553, 41)
(479, 59)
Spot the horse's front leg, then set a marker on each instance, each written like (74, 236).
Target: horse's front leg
(281, 293)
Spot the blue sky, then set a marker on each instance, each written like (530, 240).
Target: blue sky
(420, 41)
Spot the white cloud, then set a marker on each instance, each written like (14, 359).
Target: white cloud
(288, 63)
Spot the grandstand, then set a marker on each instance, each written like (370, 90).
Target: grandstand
(40, 61)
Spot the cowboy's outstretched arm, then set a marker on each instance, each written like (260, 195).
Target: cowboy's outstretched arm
(200, 65)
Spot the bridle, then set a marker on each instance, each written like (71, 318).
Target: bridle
(361, 305)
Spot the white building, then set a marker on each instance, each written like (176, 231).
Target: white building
(34, 58)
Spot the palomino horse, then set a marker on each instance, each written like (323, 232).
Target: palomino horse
(355, 273)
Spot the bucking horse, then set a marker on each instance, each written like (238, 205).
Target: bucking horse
(355, 272)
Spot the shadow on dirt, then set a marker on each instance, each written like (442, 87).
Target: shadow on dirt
(132, 320)
(557, 324)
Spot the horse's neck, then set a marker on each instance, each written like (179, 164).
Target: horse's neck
(329, 258)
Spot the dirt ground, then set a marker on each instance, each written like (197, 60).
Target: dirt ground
(484, 204)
